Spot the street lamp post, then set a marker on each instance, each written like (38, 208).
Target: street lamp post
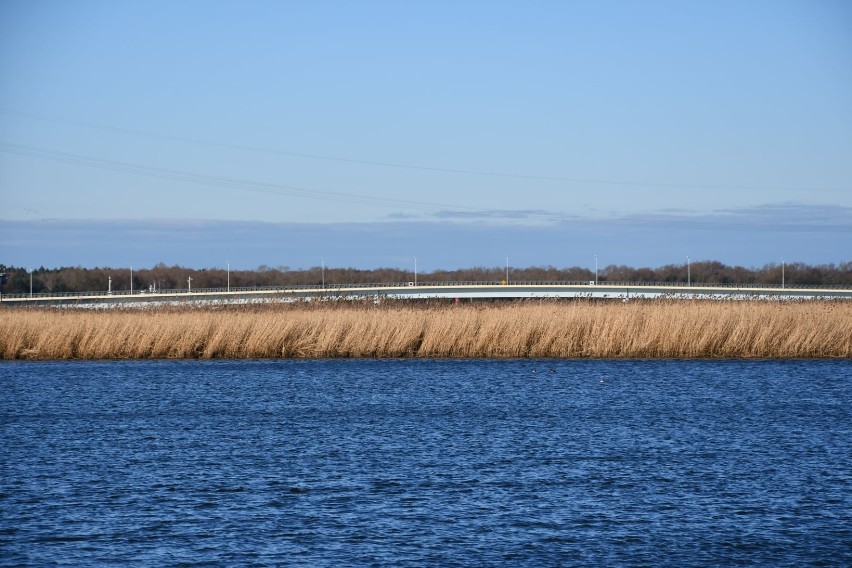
(596, 270)
(507, 269)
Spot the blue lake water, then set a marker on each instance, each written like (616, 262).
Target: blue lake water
(426, 463)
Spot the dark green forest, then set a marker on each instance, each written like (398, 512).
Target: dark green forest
(162, 277)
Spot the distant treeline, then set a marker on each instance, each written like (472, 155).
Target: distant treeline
(162, 277)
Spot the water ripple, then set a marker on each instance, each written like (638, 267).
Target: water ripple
(422, 463)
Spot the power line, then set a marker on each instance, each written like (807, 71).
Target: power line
(448, 210)
(386, 164)
(247, 185)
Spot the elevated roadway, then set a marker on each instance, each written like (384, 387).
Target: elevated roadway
(433, 290)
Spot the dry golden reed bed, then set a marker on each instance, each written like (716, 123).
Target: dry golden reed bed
(638, 329)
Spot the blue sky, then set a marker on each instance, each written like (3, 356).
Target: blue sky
(372, 132)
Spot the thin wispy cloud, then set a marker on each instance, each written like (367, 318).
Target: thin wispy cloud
(783, 216)
(534, 215)
(751, 236)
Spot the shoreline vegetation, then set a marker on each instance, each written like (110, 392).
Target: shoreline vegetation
(536, 329)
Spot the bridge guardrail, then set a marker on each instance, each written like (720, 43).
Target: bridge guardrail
(447, 283)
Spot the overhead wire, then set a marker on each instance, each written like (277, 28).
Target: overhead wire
(388, 164)
(296, 191)
(221, 181)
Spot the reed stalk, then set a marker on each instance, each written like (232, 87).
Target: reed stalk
(560, 329)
